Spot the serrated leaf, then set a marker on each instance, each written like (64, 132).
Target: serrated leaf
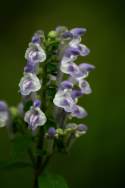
(52, 181)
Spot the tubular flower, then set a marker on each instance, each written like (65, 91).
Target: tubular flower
(29, 83)
(35, 117)
(35, 53)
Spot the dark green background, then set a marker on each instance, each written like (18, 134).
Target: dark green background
(97, 160)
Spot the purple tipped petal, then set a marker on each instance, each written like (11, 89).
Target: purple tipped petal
(3, 106)
(37, 37)
(86, 67)
(84, 51)
(4, 114)
(76, 94)
(51, 132)
(85, 87)
(78, 31)
(72, 52)
(67, 34)
(30, 68)
(82, 128)
(70, 68)
(78, 111)
(66, 85)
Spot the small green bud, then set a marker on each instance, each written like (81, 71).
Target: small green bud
(52, 34)
(59, 131)
(14, 111)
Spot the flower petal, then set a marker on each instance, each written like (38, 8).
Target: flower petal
(29, 83)
(78, 111)
(35, 117)
(85, 87)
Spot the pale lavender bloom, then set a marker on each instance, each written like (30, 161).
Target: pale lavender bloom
(78, 111)
(67, 84)
(78, 31)
(85, 87)
(51, 132)
(35, 117)
(35, 53)
(29, 83)
(64, 100)
(4, 114)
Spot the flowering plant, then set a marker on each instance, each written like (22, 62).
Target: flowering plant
(51, 85)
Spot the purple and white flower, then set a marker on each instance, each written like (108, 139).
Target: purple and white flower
(76, 32)
(78, 111)
(30, 68)
(37, 37)
(85, 87)
(66, 84)
(76, 93)
(29, 83)
(85, 67)
(70, 68)
(82, 128)
(35, 53)
(35, 117)
(4, 114)
(64, 100)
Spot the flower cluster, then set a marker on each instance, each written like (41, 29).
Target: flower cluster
(75, 85)
(50, 87)
(30, 83)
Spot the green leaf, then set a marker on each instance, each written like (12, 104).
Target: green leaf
(52, 181)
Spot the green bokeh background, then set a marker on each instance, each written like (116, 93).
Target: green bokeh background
(97, 160)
